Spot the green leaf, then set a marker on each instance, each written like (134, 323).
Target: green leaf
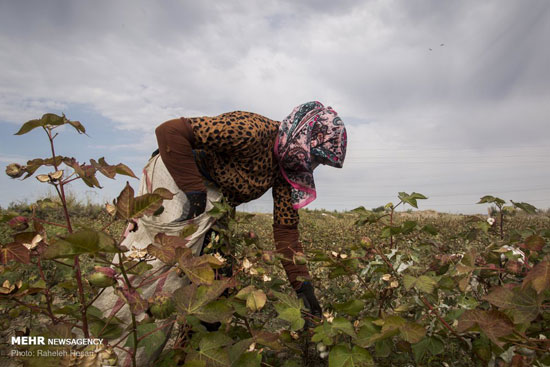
(494, 324)
(409, 281)
(219, 210)
(48, 119)
(151, 342)
(388, 231)
(324, 333)
(392, 323)
(412, 332)
(411, 199)
(139, 269)
(125, 202)
(289, 307)
(146, 204)
(188, 230)
(491, 199)
(164, 240)
(538, 277)
(352, 307)
(289, 300)
(214, 340)
(426, 347)
(87, 241)
(337, 272)
(428, 228)
(408, 226)
(164, 193)
(216, 311)
(290, 314)
(212, 350)
(86, 173)
(390, 328)
(365, 333)
(172, 358)
(528, 208)
(482, 348)
(15, 251)
(344, 325)
(360, 210)
(78, 126)
(524, 303)
(135, 301)
(189, 299)
(535, 243)
(108, 331)
(166, 254)
(383, 348)
(256, 300)
(243, 293)
(423, 283)
(28, 126)
(238, 349)
(248, 359)
(267, 338)
(194, 363)
(342, 356)
(107, 170)
(197, 269)
(123, 169)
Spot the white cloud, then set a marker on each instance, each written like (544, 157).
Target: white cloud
(483, 92)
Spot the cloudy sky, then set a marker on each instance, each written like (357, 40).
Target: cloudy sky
(445, 98)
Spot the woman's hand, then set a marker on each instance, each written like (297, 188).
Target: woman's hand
(197, 205)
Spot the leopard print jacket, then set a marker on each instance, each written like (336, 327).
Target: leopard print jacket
(236, 152)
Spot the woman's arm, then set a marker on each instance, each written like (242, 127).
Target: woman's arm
(175, 140)
(287, 243)
(285, 232)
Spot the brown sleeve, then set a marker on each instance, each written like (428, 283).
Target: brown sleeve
(175, 140)
(287, 243)
(283, 212)
(285, 232)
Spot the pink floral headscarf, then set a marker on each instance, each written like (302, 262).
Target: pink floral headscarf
(312, 134)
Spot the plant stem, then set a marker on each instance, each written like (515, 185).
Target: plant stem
(391, 221)
(70, 180)
(434, 311)
(501, 224)
(47, 292)
(123, 271)
(83, 307)
(96, 297)
(248, 326)
(78, 274)
(61, 263)
(391, 225)
(50, 223)
(134, 331)
(134, 324)
(156, 329)
(60, 190)
(34, 308)
(148, 281)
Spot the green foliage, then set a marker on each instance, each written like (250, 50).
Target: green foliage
(397, 288)
(342, 356)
